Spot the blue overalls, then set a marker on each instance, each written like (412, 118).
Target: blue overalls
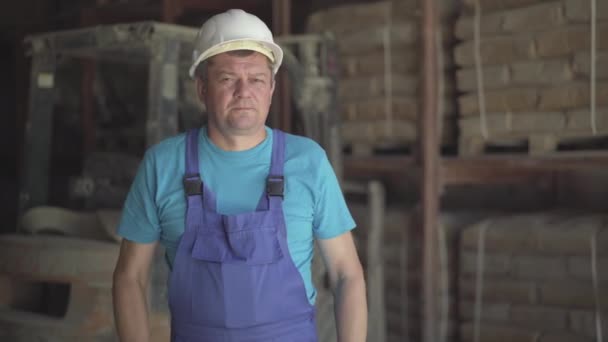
(233, 279)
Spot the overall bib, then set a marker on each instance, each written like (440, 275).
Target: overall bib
(233, 279)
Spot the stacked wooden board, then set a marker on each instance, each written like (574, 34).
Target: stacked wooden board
(534, 63)
(534, 277)
(380, 56)
(402, 252)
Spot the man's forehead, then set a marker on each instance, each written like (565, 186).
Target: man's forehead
(252, 58)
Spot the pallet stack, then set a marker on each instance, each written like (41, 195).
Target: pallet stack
(402, 252)
(535, 66)
(537, 280)
(379, 86)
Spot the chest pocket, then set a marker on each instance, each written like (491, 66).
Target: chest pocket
(247, 246)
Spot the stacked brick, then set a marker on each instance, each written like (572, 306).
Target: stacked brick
(535, 57)
(402, 253)
(537, 282)
(380, 81)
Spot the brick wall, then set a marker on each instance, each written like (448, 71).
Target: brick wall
(380, 55)
(535, 58)
(537, 282)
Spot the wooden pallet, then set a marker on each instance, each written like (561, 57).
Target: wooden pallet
(533, 144)
(366, 149)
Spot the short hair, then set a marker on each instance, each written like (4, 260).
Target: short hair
(201, 70)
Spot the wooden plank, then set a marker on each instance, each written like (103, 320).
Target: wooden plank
(478, 169)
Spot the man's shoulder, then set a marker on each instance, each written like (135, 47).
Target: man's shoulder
(300, 146)
(167, 147)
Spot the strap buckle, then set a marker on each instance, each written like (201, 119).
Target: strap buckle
(193, 185)
(275, 185)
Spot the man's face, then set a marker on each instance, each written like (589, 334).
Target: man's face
(238, 93)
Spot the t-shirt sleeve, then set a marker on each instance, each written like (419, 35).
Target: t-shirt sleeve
(331, 214)
(139, 221)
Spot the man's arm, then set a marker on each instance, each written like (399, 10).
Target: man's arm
(348, 285)
(129, 291)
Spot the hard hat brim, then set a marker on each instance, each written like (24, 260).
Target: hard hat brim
(264, 47)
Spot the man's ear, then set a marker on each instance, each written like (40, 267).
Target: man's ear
(201, 89)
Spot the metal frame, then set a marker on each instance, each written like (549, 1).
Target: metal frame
(144, 42)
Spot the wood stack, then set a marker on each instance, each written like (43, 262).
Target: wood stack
(379, 85)
(537, 282)
(535, 58)
(403, 268)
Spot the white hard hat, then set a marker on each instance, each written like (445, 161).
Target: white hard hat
(232, 30)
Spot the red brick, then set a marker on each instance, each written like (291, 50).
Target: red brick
(517, 99)
(571, 96)
(571, 294)
(580, 120)
(494, 5)
(494, 77)
(580, 11)
(350, 17)
(569, 40)
(549, 72)
(373, 38)
(542, 16)
(497, 50)
(582, 65)
(514, 125)
(562, 337)
(539, 267)
(491, 312)
(583, 323)
(490, 25)
(498, 333)
(536, 317)
(375, 86)
(494, 264)
(372, 63)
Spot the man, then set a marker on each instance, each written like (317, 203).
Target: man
(237, 206)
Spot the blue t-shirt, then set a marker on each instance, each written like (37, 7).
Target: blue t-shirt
(313, 205)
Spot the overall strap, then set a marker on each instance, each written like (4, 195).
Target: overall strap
(193, 185)
(192, 152)
(275, 184)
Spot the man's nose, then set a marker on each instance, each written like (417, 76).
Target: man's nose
(242, 88)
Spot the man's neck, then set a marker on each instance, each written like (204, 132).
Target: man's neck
(228, 142)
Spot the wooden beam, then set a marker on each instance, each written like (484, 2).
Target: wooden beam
(430, 174)
(219, 5)
(281, 26)
(476, 170)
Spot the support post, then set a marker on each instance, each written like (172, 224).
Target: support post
(38, 129)
(281, 25)
(430, 172)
